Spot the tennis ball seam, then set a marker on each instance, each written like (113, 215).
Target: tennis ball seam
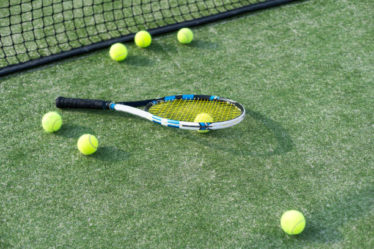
(119, 55)
(51, 122)
(294, 227)
(118, 52)
(89, 140)
(53, 125)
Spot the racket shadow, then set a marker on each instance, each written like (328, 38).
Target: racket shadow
(256, 135)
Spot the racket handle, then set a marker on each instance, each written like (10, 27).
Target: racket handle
(62, 102)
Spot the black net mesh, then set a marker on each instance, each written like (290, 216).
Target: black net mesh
(33, 29)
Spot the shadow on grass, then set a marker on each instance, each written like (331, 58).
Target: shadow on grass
(73, 131)
(138, 60)
(256, 135)
(173, 48)
(157, 48)
(203, 44)
(111, 154)
(104, 153)
(284, 140)
(326, 220)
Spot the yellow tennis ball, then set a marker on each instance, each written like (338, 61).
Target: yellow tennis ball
(51, 122)
(143, 39)
(185, 35)
(204, 118)
(292, 222)
(87, 144)
(118, 52)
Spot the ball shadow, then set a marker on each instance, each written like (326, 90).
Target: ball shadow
(157, 48)
(73, 131)
(138, 60)
(111, 154)
(203, 45)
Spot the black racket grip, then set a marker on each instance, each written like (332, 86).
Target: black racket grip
(62, 102)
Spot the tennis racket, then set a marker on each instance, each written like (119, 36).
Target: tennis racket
(177, 111)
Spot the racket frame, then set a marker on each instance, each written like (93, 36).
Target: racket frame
(120, 106)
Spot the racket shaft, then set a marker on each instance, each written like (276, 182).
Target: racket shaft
(133, 111)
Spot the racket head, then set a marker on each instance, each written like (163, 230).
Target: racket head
(180, 111)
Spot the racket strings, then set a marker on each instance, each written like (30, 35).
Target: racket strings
(187, 110)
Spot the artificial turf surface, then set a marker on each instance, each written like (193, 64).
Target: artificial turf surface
(303, 71)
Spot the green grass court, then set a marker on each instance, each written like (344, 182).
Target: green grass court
(304, 73)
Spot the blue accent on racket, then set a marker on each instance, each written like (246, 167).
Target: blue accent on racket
(170, 121)
(203, 126)
(187, 96)
(169, 98)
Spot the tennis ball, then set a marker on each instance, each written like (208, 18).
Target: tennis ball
(143, 39)
(292, 222)
(185, 36)
(87, 144)
(51, 122)
(118, 52)
(205, 118)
